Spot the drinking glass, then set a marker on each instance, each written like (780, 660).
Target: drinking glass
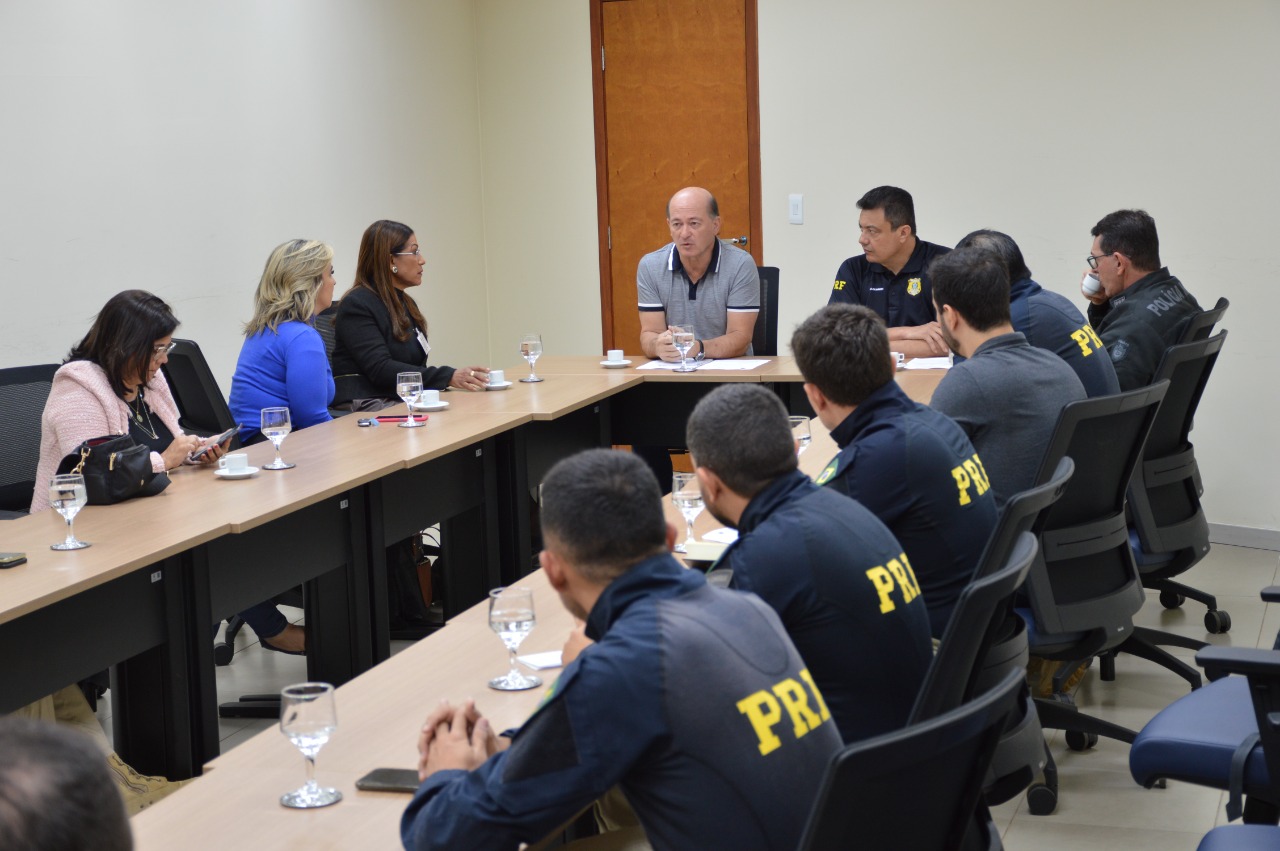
(686, 493)
(276, 426)
(308, 718)
(530, 349)
(800, 431)
(67, 494)
(409, 388)
(511, 616)
(682, 338)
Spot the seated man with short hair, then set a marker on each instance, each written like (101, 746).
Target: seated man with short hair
(910, 465)
(1008, 394)
(692, 698)
(830, 569)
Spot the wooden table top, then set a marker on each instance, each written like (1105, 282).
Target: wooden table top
(379, 716)
(558, 394)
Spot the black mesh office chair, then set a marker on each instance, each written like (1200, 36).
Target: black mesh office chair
(201, 406)
(872, 792)
(1170, 533)
(1084, 587)
(23, 392)
(764, 339)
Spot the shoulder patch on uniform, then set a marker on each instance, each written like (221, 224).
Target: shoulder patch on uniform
(830, 472)
(913, 286)
(1119, 350)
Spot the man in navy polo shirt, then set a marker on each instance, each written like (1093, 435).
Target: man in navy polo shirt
(891, 277)
(697, 280)
(1048, 320)
(910, 465)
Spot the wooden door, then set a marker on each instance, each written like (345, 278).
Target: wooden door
(677, 104)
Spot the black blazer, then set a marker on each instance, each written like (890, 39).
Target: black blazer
(366, 357)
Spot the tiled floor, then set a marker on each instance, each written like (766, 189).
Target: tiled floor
(1099, 805)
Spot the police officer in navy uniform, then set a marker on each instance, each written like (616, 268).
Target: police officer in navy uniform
(913, 467)
(891, 276)
(1048, 320)
(692, 698)
(831, 570)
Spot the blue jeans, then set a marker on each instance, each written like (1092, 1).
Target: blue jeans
(265, 619)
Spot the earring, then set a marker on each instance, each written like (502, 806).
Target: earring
(394, 270)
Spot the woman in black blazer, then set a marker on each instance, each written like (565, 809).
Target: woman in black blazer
(379, 330)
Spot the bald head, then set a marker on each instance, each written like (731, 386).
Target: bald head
(694, 198)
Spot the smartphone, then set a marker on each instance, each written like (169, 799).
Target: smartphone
(366, 422)
(214, 441)
(8, 560)
(390, 780)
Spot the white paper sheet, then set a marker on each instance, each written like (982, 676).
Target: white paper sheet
(929, 363)
(723, 535)
(710, 363)
(541, 661)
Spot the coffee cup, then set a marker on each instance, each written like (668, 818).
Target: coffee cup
(497, 376)
(236, 462)
(1091, 286)
(898, 359)
(428, 397)
(613, 355)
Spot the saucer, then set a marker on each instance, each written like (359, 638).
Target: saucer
(246, 473)
(438, 406)
(503, 386)
(615, 364)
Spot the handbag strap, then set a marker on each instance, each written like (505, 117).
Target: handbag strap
(84, 456)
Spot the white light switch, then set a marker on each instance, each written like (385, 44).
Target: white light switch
(795, 209)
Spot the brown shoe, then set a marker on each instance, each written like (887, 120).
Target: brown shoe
(139, 790)
(291, 640)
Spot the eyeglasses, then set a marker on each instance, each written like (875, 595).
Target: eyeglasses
(417, 252)
(1093, 259)
(159, 351)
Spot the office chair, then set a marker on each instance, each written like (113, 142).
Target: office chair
(872, 790)
(23, 392)
(1170, 533)
(1083, 588)
(1200, 326)
(1224, 735)
(202, 409)
(764, 338)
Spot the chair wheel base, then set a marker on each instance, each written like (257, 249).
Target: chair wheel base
(222, 654)
(1078, 741)
(1217, 622)
(1172, 599)
(1041, 800)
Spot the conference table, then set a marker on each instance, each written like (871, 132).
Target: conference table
(164, 568)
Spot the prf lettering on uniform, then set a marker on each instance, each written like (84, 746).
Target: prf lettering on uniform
(896, 575)
(839, 285)
(764, 710)
(1087, 339)
(971, 474)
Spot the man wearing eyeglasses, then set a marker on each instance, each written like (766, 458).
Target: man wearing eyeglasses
(1138, 309)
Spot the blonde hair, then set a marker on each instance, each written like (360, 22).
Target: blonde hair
(289, 285)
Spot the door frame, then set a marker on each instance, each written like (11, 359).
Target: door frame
(756, 248)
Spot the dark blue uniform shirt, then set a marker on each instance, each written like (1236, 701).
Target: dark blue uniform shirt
(840, 582)
(915, 469)
(902, 299)
(1049, 321)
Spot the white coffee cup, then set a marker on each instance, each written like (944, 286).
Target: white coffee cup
(1091, 285)
(898, 359)
(237, 462)
(429, 397)
(497, 376)
(613, 355)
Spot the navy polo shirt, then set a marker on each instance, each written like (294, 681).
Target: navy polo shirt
(902, 299)
(1049, 321)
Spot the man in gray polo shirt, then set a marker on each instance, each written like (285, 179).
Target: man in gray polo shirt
(1009, 394)
(697, 280)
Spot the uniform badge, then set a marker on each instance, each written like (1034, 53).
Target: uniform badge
(913, 286)
(829, 473)
(1119, 350)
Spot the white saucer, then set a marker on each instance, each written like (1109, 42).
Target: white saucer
(615, 364)
(246, 473)
(438, 406)
(503, 386)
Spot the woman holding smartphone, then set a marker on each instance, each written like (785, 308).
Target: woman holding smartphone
(283, 362)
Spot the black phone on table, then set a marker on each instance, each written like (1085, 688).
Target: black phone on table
(390, 780)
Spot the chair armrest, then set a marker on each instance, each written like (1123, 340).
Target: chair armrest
(1219, 661)
(1271, 594)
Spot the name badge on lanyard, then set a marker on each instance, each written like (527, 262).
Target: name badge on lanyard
(422, 341)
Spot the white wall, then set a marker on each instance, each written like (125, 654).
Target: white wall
(170, 146)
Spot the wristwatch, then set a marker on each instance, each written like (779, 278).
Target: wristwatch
(702, 350)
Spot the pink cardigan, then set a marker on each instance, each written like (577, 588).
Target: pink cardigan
(82, 406)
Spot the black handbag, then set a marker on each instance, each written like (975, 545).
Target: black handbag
(114, 469)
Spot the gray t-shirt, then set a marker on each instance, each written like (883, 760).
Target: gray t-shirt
(1008, 398)
(731, 285)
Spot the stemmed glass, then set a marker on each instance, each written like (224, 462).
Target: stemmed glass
(409, 388)
(686, 494)
(511, 616)
(530, 349)
(308, 718)
(68, 495)
(276, 426)
(682, 338)
(800, 431)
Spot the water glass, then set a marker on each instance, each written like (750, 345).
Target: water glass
(686, 494)
(511, 617)
(275, 424)
(409, 388)
(530, 349)
(308, 718)
(68, 495)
